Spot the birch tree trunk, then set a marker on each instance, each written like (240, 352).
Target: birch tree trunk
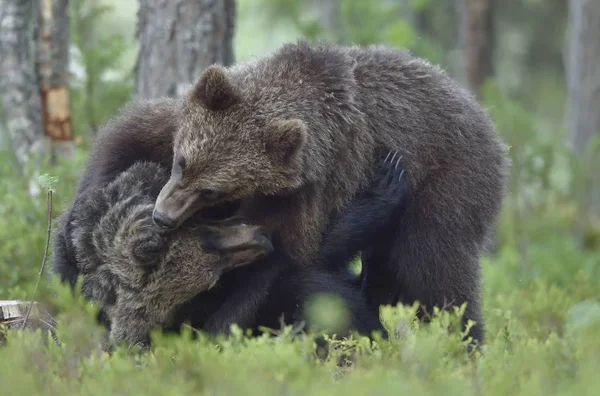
(178, 39)
(331, 18)
(476, 36)
(18, 84)
(583, 80)
(55, 39)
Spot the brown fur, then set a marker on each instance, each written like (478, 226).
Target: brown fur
(300, 138)
(141, 275)
(215, 92)
(142, 131)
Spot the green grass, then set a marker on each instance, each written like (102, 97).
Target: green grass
(530, 352)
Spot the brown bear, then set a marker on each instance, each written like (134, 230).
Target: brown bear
(145, 277)
(141, 274)
(295, 135)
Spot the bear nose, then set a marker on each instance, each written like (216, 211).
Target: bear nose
(264, 239)
(163, 221)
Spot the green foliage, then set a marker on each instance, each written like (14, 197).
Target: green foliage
(417, 360)
(105, 86)
(24, 221)
(387, 23)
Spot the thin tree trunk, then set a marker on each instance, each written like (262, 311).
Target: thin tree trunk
(583, 80)
(178, 39)
(331, 19)
(18, 84)
(477, 38)
(54, 72)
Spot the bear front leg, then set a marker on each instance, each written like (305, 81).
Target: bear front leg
(250, 290)
(428, 257)
(367, 216)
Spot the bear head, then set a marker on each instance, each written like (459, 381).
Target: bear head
(243, 130)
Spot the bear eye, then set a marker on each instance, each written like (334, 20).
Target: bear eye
(211, 195)
(181, 162)
(178, 165)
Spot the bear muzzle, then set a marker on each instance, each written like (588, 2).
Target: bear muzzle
(174, 205)
(163, 221)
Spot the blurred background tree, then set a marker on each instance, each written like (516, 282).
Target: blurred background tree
(19, 85)
(179, 39)
(583, 84)
(53, 69)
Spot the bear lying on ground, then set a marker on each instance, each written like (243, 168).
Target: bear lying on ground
(142, 275)
(139, 273)
(295, 135)
(143, 131)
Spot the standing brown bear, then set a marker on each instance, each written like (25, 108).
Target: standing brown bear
(296, 135)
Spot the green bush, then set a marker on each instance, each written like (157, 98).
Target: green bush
(417, 359)
(24, 221)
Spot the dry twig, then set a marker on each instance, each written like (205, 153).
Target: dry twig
(49, 231)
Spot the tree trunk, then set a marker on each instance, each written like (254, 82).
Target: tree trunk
(583, 80)
(18, 84)
(331, 19)
(54, 73)
(477, 40)
(178, 39)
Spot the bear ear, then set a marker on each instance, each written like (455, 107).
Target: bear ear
(214, 91)
(285, 139)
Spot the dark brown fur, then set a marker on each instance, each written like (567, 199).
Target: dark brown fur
(300, 138)
(142, 131)
(139, 274)
(145, 277)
